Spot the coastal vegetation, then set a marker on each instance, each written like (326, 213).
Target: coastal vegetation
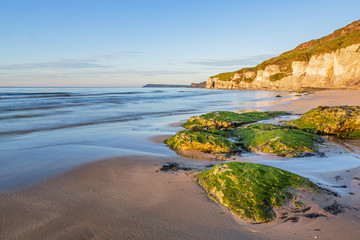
(231, 133)
(224, 132)
(341, 121)
(202, 141)
(252, 191)
(277, 76)
(257, 192)
(341, 38)
(277, 139)
(224, 119)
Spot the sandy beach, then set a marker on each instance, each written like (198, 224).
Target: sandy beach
(128, 198)
(320, 98)
(123, 198)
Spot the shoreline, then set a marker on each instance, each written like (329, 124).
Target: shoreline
(130, 198)
(320, 98)
(117, 198)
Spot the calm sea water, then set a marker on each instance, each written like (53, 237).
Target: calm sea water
(44, 131)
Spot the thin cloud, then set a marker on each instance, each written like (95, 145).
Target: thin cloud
(68, 63)
(108, 72)
(245, 61)
(56, 64)
(154, 72)
(118, 55)
(130, 53)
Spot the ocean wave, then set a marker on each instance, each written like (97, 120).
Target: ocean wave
(24, 95)
(88, 122)
(41, 107)
(22, 116)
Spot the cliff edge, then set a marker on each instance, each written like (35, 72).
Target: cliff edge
(332, 61)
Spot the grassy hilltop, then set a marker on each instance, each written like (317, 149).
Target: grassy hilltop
(341, 38)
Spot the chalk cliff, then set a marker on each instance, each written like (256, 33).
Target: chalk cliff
(329, 62)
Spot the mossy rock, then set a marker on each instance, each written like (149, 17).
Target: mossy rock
(277, 139)
(224, 119)
(342, 121)
(224, 132)
(251, 191)
(202, 141)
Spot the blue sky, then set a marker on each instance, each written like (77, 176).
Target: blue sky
(134, 42)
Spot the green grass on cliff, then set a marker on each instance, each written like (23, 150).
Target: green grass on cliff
(277, 76)
(251, 191)
(303, 52)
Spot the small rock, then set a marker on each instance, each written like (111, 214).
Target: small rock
(170, 166)
(314, 215)
(291, 219)
(342, 186)
(334, 208)
(338, 178)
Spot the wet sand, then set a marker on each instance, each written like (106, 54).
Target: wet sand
(127, 198)
(320, 98)
(123, 198)
(344, 225)
(159, 139)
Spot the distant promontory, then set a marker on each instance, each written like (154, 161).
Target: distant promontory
(192, 85)
(165, 86)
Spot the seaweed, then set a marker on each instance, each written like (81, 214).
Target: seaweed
(277, 139)
(252, 191)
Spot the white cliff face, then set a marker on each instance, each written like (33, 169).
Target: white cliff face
(338, 69)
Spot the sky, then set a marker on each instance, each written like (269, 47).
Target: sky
(110, 43)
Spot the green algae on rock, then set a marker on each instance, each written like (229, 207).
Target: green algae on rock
(224, 119)
(342, 121)
(224, 132)
(277, 139)
(202, 141)
(252, 191)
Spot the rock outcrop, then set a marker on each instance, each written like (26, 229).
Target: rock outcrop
(269, 138)
(198, 85)
(341, 121)
(329, 62)
(252, 191)
(218, 132)
(225, 119)
(201, 141)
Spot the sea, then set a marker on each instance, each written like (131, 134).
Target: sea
(46, 131)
